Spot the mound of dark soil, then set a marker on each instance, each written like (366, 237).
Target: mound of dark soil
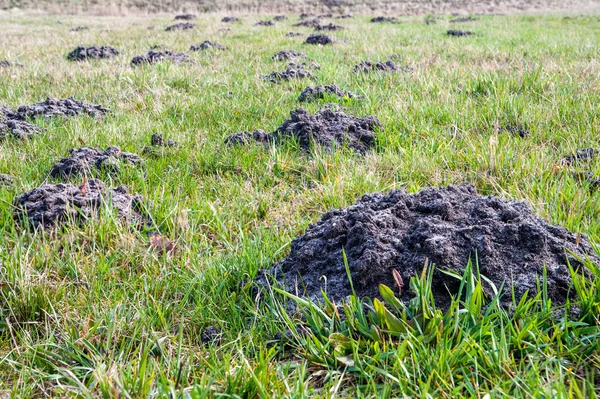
(463, 19)
(288, 74)
(515, 130)
(207, 45)
(307, 15)
(317, 38)
(287, 55)
(84, 53)
(10, 64)
(326, 128)
(304, 65)
(388, 66)
(154, 57)
(180, 26)
(185, 17)
(294, 34)
(78, 29)
(5, 180)
(584, 155)
(82, 160)
(447, 227)
(265, 23)
(329, 27)
(13, 124)
(344, 16)
(589, 178)
(383, 19)
(52, 205)
(459, 33)
(158, 141)
(229, 20)
(313, 23)
(312, 93)
(67, 107)
(280, 18)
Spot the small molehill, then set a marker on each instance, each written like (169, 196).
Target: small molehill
(584, 155)
(157, 140)
(329, 27)
(462, 19)
(309, 24)
(459, 33)
(5, 180)
(207, 45)
(53, 205)
(387, 66)
(78, 29)
(400, 232)
(265, 23)
(14, 125)
(10, 64)
(294, 34)
(313, 93)
(383, 19)
(180, 26)
(326, 128)
(83, 160)
(229, 20)
(185, 17)
(319, 39)
(154, 57)
(280, 18)
(82, 53)
(344, 16)
(288, 74)
(67, 107)
(288, 55)
(307, 15)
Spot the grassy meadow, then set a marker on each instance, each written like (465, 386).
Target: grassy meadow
(97, 311)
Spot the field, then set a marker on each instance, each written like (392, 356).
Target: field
(106, 310)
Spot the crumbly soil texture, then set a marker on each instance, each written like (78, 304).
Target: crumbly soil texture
(185, 17)
(285, 55)
(459, 33)
(82, 53)
(329, 27)
(387, 66)
(83, 160)
(383, 19)
(180, 26)
(265, 23)
(446, 227)
(52, 205)
(314, 93)
(5, 180)
(583, 155)
(313, 23)
(228, 20)
(207, 45)
(154, 57)
(288, 74)
(318, 38)
(325, 128)
(67, 107)
(157, 140)
(14, 125)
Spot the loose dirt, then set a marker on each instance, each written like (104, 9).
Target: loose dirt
(288, 74)
(383, 19)
(14, 125)
(185, 17)
(388, 66)
(444, 226)
(463, 19)
(459, 33)
(288, 55)
(52, 205)
(207, 45)
(158, 141)
(5, 180)
(317, 38)
(326, 128)
(265, 23)
(313, 93)
(229, 20)
(329, 27)
(67, 107)
(584, 155)
(180, 26)
(154, 57)
(83, 160)
(82, 53)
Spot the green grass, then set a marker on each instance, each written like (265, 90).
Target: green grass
(95, 312)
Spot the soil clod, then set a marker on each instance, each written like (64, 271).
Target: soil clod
(52, 205)
(207, 45)
(229, 20)
(288, 55)
(584, 155)
(185, 17)
(313, 23)
(78, 29)
(459, 33)
(154, 57)
(14, 125)
(180, 26)
(383, 19)
(82, 53)
(388, 66)
(157, 140)
(317, 38)
(288, 74)
(444, 226)
(211, 335)
(326, 128)
(280, 18)
(312, 93)
(5, 180)
(83, 160)
(329, 27)
(265, 23)
(67, 107)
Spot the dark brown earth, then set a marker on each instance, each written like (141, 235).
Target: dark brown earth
(67, 107)
(265, 23)
(83, 160)
(459, 33)
(180, 26)
(312, 93)
(383, 19)
(326, 128)
(294, 34)
(304, 65)
(584, 155)
(446, 227)
(207, 45)
(5, 180)
(515, 130)
(82, 53)
(158, 141)
(14, 125)
(228, 20)
(288, 55)
(52, 205)
(462, 19)
(154, 57)
(388, 66)
(329, 27)
(78, 29)
(280, 18)
(288, 74)
(185, 17)
(317, 38)
(10, 64)
(313, 23)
